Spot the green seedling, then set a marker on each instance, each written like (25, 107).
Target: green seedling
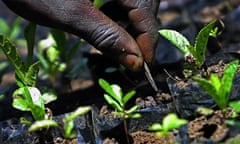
(169, 123)
(42, 124)
(194, 54)
(68, 124)
(69, 121)
(55, 55)
(27, 97)
(114, 96)
(220, 89)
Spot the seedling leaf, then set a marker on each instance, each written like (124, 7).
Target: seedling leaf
(201, 43)
(42, 124)
(171, 121)
(135, 115)
(207, 86)
(220, 90)
(113, 103)
(29, 34)
(20, 104)
(227, 80)
(118, 93)
(128, 96)
(177, 39)
(132, 109)
(29, 99)
(156, 127)
(107, 87)
(235, 105)
(78, 112)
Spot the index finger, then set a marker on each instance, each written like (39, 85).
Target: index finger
(142, 15)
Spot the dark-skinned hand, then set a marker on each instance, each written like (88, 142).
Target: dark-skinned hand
(81, 18)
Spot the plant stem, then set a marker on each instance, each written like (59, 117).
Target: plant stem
(126, 130)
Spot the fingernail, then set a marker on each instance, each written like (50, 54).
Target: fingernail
(131, 61)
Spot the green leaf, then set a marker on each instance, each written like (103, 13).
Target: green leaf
(135, 115)
(45, 43)
(235, 105)
(220, 92)
(20, 104)
(15, 29)
(38, 125)
(171, 121)
(29, 34)
(132, 109)
(117, 93)
(128, 96)
(14, 58)
(208, 87)
(35, 95)
(227, 81)
(215, 81)
(78, 112)
(201, 43)
(156, 127)
(177, 39)
(113, 103)
(29, 99)
(68, 130)
(49, 96)
(52, 54)
(4, 27)
(31, 74)
(60, 39)
(35, 102)
(107, 87)
(38, 112)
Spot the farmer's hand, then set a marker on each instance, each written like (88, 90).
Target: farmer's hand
(81, 18)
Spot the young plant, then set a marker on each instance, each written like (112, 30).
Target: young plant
(220, 89)
(55, 55)
(114, 96)
(69, 121)
(27, 97)
(169, 122)
(193, 54)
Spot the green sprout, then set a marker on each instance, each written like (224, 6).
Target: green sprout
(193, 54)
(220, 89)
(27, 97)
(55, 55)
(68, 125)
(117, 100)
(69, 121)
(169, 122)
